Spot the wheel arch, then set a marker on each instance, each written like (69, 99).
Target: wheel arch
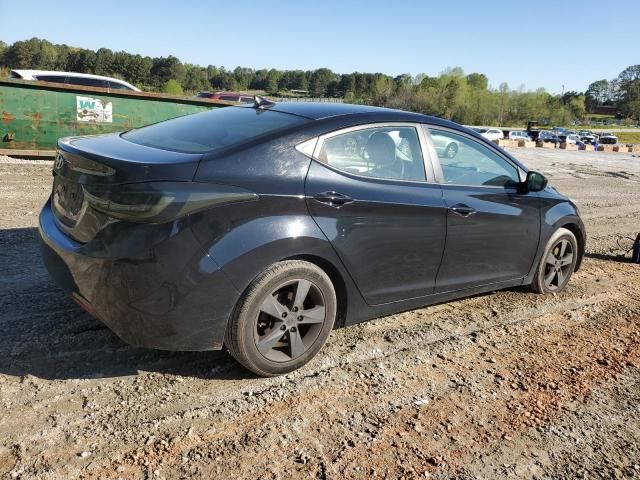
(578, 233)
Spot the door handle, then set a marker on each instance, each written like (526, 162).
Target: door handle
(463, 210)
(333, 199)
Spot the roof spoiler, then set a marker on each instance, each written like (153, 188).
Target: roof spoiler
(261, 102)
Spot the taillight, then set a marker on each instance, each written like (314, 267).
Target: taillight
(161, 202)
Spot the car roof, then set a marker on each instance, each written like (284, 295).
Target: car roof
(366, 113)
(357, 113)
(232, 93)
(30, 73)
(320, 110)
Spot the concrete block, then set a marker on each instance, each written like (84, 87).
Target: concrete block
(605, 148)
(504, 143)
(568, 146)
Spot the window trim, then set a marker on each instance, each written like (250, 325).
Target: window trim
(303, 148)
(438, 168)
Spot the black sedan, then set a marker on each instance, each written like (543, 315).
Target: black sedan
(263, 227)
(549, 137)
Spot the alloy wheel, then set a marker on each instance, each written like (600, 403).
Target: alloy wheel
(558, 264)
(290, 320)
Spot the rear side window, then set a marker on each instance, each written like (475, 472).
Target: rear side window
(51, 78)
(229, 98)
(212, 130)
(117, 86)
(382, 152)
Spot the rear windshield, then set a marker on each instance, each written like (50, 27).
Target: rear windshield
(212, 130)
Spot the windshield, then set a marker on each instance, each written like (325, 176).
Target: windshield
(212, 130)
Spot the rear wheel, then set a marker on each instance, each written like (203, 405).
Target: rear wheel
(557, 263)
(283, 319)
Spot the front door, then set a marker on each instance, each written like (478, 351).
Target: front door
(369, 194)
(492, 228)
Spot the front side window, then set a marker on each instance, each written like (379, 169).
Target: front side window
(382, 152)
(87, 82)
(212, 130)
(465, 161)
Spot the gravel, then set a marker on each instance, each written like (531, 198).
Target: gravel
(504, 385)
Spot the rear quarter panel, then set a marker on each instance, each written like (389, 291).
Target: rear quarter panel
(246, 238)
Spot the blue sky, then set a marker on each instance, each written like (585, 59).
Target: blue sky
(536, 44)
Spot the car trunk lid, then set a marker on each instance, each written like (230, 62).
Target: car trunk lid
(107, 161)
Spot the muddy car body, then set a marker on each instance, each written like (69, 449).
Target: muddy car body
(260, 228)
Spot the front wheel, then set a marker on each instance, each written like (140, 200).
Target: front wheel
(283, 319)
(557, 263)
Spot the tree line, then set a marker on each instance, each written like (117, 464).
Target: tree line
(464, 98)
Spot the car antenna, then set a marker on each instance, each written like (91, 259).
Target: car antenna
(261, 102)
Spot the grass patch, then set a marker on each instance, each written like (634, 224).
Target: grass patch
(600, 116)
(628, 137)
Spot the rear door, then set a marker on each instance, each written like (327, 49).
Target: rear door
(492, 228)
(369, 192)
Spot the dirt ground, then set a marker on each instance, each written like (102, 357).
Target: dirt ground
(505, 385)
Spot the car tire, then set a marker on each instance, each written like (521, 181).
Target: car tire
(272, 331)
(557, 263)
(451, 150)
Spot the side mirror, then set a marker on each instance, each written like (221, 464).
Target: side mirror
(535, 182)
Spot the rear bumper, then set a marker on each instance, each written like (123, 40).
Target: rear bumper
(153, 285)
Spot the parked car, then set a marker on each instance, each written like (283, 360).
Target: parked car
(587, 136)
(548, 136)
(71, 78)
(570, 138)
(519, 135)
(576, 140)
(491, 134)
(254, 228)
(227, 96)
(608, 139)
(445, 147)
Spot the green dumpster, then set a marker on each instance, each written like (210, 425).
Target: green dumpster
(33, 115)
